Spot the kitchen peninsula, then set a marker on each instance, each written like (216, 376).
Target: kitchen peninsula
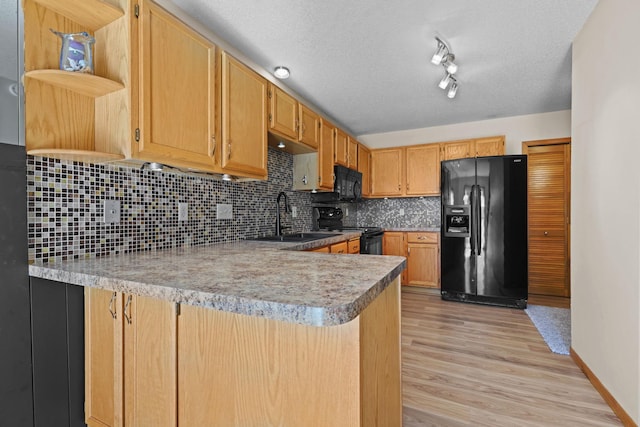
(245, 333)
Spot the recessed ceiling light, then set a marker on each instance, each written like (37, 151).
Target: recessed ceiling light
(281, 72)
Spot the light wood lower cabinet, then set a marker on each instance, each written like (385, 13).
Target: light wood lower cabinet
(236, 370)
(130, 360)
(423, 259)
(148, 366)
(422, 251)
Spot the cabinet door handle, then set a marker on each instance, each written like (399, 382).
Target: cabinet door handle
(422, 237)
(213, 151)
(229, 151)
(112, 308)
(127, 306)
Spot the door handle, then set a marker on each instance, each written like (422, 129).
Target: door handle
(112, 310)
(127, 306)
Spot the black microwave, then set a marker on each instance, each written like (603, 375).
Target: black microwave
(347, 187)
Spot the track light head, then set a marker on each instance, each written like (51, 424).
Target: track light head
(453, 89)
(445, 81)
(441, 53)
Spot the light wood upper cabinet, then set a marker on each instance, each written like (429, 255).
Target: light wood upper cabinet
(387, 172)
(423, 170)
(130, 360)
(179, 93)
(364, 167)
(457, 149)
(341, 147)
(352, 153)
(244, 119)
(326, 155)
(309, 129)
(283, 113)
(490, 146)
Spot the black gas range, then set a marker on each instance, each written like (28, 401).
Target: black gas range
(330, 218)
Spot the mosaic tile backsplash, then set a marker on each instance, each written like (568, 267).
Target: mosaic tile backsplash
(419, 212)
(66, 199)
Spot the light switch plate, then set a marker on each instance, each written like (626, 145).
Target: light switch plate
(294, 212)
(183, 211)
(224, 211)
(111, 212)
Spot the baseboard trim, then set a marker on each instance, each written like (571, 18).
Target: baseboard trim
(600, 388)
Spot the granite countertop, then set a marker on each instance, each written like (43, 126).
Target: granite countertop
(269, 279)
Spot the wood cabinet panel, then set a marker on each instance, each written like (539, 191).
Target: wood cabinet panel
(457, 149)
(354, 246)
(423, 170)
(339, 248)
(364, 167)
(257, 371)
(283, 112)
(422, 237)
(352, 153)
(491, 146)
(104, 361)
(309, 129)
(244, 115)
(130, 360)
(423, 265)
(326, 155)
(341, 147)
(393, 243)
(150, 354)
(178, 92)
(387, 172)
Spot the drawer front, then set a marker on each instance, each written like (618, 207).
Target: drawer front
(354, 246)
(422, 237)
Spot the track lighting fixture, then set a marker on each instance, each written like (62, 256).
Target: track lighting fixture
(445, 57)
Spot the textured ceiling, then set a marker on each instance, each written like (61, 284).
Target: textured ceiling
(366, 63)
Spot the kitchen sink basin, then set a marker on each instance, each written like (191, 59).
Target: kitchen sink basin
(295, 237)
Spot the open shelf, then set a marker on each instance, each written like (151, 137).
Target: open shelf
(81, 83)
(93, 14)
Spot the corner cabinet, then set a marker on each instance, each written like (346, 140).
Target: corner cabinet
(75, 115)
(179, 93)
(244, 119)
(130, 360)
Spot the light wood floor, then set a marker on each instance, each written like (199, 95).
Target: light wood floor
(473, 365)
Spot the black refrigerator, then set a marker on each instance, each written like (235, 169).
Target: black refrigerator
(483, 256)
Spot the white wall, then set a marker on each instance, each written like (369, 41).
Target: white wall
(605, 243)
(516, 129)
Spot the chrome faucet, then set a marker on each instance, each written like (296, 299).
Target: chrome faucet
(286, 209)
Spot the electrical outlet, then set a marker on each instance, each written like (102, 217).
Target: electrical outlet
(224, 211)
(401, 212)
(294, 212)
(111, 212)
(346, 211)
(183, 211)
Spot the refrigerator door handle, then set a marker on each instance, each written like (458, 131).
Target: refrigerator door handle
(476, 227)
(472, 238)
(478, 219)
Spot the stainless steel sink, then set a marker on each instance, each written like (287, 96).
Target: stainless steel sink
(295, 237)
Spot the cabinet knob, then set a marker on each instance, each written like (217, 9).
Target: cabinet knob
(546, 233)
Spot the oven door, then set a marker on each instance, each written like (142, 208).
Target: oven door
(371, 244)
